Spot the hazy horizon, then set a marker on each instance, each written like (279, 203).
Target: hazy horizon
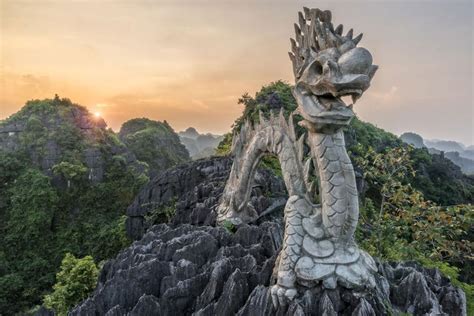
(188, 62)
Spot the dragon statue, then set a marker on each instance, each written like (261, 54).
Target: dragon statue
(318, 244)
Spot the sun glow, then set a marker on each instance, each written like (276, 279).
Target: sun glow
(97, 114)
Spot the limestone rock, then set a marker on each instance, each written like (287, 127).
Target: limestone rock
(194, 190)
(196, 270)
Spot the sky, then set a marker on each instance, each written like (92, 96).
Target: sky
(188, 62)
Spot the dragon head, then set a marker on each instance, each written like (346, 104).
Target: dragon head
(327, 67)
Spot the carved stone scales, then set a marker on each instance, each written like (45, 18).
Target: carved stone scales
(319, 238)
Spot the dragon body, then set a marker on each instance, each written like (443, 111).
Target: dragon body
(318, 244)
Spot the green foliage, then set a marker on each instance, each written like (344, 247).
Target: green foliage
(154, 143)
(26, 234)
(40, 222)
(364, 135)
(225, 146)
(70, 171)
(440, 180)
(162, 213)
(272, 163)
(400, 225)
(229, 226)
(33, 202)
(111, 238)
(74, 282)
(272, 97)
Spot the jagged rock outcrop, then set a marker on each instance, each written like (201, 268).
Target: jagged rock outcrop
(186, 269)
(194, 190)
(203, 270)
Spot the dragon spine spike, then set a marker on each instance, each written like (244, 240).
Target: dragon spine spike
(282, 119)
(328, 15)
(243, 132)
(249, 131)
(333, 40)
(358, 38)
(298, 37)
(293, 62)
(350, 34)
(234, 142)
(261, 118)
(306, 170)
(301, 20)
(300, 147)
(291, 128)
(294, 47)
(311, 38)
(306, 13)
(272, 117)
(311, 188)
(331, 27)
(339, 29)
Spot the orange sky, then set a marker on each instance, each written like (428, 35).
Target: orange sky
(189, 61)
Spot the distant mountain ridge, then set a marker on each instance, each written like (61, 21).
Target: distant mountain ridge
(458, 153)
(199, 145)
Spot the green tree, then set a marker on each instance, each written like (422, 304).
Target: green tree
(33, 202)
(39, 221)
(25, 251)
(76, 279)
(70, 171)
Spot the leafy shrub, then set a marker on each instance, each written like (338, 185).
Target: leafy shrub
(76, 279)
(229, 226)
(162, 213)
(154, 143)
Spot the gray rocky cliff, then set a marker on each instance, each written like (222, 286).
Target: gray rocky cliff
(204, 270)
(194, 189)
(190, 267)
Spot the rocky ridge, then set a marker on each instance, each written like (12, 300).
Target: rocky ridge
(198, 269)
(203, 270)
(193, 189)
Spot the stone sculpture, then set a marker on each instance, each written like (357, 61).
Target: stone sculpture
(319, 238)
